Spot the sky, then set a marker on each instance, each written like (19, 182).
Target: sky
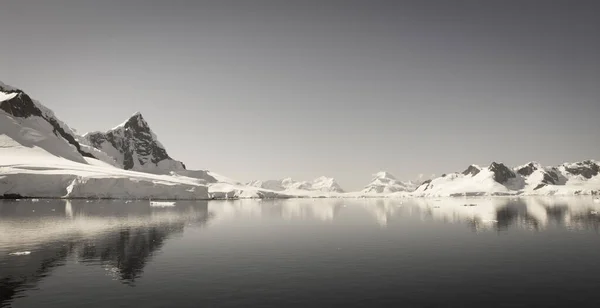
(274, 89)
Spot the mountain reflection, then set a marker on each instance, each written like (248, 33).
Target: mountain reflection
(38, 237)
(119, 237)
(495, 213)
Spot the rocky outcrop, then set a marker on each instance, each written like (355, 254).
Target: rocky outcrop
(134, 146)
(472, 170)
(501, 173)
(587, 169)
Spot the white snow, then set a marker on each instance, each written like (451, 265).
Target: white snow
(458, 183)
(6, 96)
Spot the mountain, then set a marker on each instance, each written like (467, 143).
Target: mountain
(320, 184)
(384, 183)
(529, 179)
(134, 146)
(41, 157)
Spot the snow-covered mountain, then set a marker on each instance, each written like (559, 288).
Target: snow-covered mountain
(385, 183)
(326, 184)
(528, 179)
(134, 146)
(41, 156)
(320, 184)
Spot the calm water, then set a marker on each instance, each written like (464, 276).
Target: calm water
(493, 252)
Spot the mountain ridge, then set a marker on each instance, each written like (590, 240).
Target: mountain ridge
(43, 157)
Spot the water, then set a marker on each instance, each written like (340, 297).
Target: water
(492, 252)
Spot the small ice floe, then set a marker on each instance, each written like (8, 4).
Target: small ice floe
(596, 200)
(35, 200)
(594, 212)
(162, 203)
(490, 221)
(20, 253)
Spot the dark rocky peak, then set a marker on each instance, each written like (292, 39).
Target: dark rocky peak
(137, 122)
(586, 168)
(135, 141)
(472, 170)
(22, 106)
(528, 169)
(501, 172)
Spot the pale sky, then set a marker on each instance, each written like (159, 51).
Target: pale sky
(274, 89)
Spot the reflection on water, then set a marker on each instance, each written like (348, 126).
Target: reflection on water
(119, 237)
(123, 237)
(498, 213)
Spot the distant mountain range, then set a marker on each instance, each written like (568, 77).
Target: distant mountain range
(41, 156)
(320, 184)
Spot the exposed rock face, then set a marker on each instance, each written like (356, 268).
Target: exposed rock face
(550, 177)
(472, 170)
(134, 145)
(22, 106)
(587, 168)
(527, 170)
(501, 172)
(427, 184)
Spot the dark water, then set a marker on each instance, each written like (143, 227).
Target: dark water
(493, 252)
